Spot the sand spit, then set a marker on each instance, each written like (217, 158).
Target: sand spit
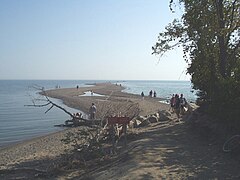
(162, 150)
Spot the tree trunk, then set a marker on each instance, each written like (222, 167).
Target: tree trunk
(221, 39)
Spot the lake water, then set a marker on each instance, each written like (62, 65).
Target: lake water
(20, 122)
(164, 89)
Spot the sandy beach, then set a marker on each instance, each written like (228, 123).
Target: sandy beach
(161, 150)
(111, 93)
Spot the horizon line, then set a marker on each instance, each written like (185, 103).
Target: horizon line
(91, 80)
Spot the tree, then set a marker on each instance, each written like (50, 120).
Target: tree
(209, 32)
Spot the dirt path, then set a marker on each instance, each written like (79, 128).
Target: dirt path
(170, 151)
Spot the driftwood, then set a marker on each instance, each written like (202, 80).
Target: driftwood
(47, 102)
(95, 132)
(80, 122)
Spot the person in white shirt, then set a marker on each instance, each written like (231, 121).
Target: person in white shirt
(92, 111)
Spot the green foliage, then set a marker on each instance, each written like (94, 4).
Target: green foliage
(226, 102)
(209, 32)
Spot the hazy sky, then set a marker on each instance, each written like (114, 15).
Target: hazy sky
(85, 39)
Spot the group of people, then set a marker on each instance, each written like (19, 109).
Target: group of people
(178, 104)
(151, 94)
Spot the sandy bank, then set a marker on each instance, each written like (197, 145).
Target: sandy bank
(112, 93)
(161, 150)
(38, 151)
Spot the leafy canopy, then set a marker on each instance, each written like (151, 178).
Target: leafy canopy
(209, 32)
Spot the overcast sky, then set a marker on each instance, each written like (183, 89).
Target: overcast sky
(85, 39)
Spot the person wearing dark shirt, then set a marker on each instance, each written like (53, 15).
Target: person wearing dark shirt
(177, 106)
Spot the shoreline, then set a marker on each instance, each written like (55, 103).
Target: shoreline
(164, 149)
(71, 98)
(66, 102)
(11, 145)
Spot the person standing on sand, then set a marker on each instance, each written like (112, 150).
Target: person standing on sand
(142, 94)
(150, 93)
(177, 106)
(154, 94)
(92, 111)
(183, 103)
(172, 103)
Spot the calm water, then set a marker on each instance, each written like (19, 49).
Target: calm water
(164, 89)
(19, 122)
